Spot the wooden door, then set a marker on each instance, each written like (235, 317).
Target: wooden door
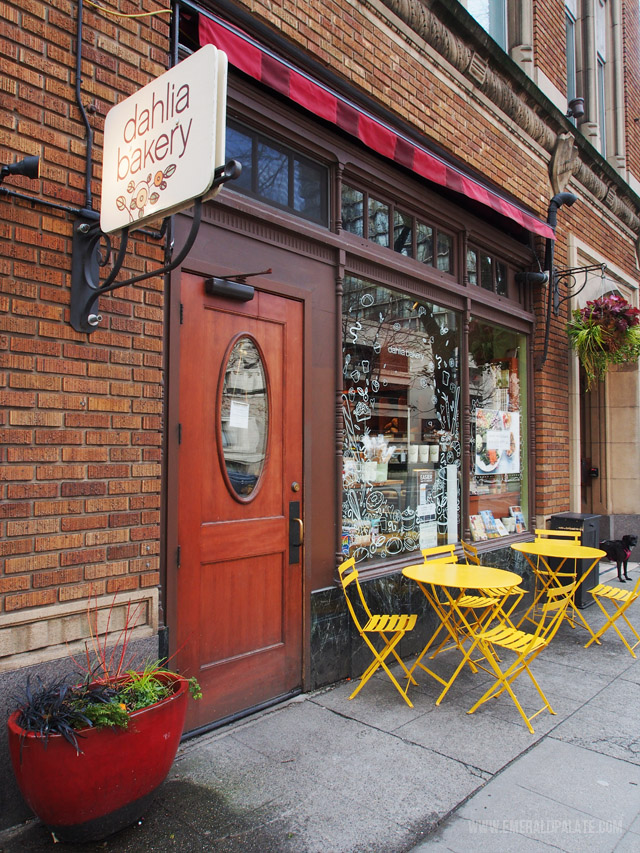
(239, 588)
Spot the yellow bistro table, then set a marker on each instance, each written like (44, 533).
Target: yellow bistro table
(538, 554)
(453, 611)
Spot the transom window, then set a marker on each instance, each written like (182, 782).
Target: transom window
(277, 174)
(387, 225)
(487, 272)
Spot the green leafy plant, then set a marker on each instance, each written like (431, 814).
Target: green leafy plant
(145, 687)
(605, 332)
(110, 690)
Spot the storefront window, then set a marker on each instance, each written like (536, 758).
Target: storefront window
(498, 503)
(401, 451)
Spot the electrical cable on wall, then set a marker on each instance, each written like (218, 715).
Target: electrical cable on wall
(124, 15)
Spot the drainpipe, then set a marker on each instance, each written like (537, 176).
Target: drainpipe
(552, 217)
(83, 113)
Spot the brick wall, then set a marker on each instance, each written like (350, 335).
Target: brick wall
(548, 42)
(80, 417)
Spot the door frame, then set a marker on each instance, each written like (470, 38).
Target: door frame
(201, 262)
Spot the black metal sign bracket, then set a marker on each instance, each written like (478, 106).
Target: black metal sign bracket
(88, 258)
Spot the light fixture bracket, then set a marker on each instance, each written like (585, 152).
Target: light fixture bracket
(91, 251)
(233, 286)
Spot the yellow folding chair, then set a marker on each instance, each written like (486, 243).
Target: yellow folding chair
(540, 584)
(442, 553)
(525, 646)
(473, 559)
(395, 626)
(621, 599)
(470, 553)
(558, 534)
(455, 625)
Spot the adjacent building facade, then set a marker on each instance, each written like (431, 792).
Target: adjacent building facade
(359, 356)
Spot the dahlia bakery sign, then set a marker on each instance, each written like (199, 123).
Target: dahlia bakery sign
(163, 144)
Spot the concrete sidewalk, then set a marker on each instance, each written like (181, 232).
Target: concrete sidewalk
(371, 775)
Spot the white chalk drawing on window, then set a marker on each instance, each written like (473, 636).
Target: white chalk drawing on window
(416, 399)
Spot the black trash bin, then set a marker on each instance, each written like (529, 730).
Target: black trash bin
(589, 525)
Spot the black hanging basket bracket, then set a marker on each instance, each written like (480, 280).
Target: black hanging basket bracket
(567, 278)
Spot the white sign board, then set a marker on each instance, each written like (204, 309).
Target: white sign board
(163, 144)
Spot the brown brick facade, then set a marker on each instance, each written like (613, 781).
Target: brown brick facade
(80, 425)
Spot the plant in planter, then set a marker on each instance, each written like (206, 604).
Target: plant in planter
(605, 332)
(88, 757)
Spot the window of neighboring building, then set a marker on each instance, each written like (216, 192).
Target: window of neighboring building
(380, 221)
(277, 174)
(498, 431)
(492, 16)
(570, 13)
(594, 72)
(401, 416)
(602, 35)
(510, 24)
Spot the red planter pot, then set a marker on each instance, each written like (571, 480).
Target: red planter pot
(110, 784)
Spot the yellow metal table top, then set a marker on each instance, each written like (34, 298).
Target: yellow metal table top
(557, 548)
(461, 575)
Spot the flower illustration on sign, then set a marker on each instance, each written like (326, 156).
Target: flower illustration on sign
(144, 192)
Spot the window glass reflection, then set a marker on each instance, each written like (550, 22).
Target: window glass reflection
(378, 222)
(403, 233)
(244, 417)
(278, 175)
(498, 434)
(239, 146)
(308, 199)
(444, 253)
(273, 174)
(472, 266)
(352, 210)
(486, 272)
(424, 243)
(501, 279)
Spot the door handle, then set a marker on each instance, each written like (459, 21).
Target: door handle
(296, 532)
(298, 521)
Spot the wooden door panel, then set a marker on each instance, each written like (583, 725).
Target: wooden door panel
(226, 539)
(239, 600)
(257, 624)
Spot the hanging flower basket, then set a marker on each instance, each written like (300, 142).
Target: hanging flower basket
(605, 332)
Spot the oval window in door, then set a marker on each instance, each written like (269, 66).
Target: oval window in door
(244, 417)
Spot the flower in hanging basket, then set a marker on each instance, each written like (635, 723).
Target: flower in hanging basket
(605, 332)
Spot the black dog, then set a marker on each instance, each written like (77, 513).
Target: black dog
(618, 551)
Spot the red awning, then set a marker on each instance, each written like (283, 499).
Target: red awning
(247, 55)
